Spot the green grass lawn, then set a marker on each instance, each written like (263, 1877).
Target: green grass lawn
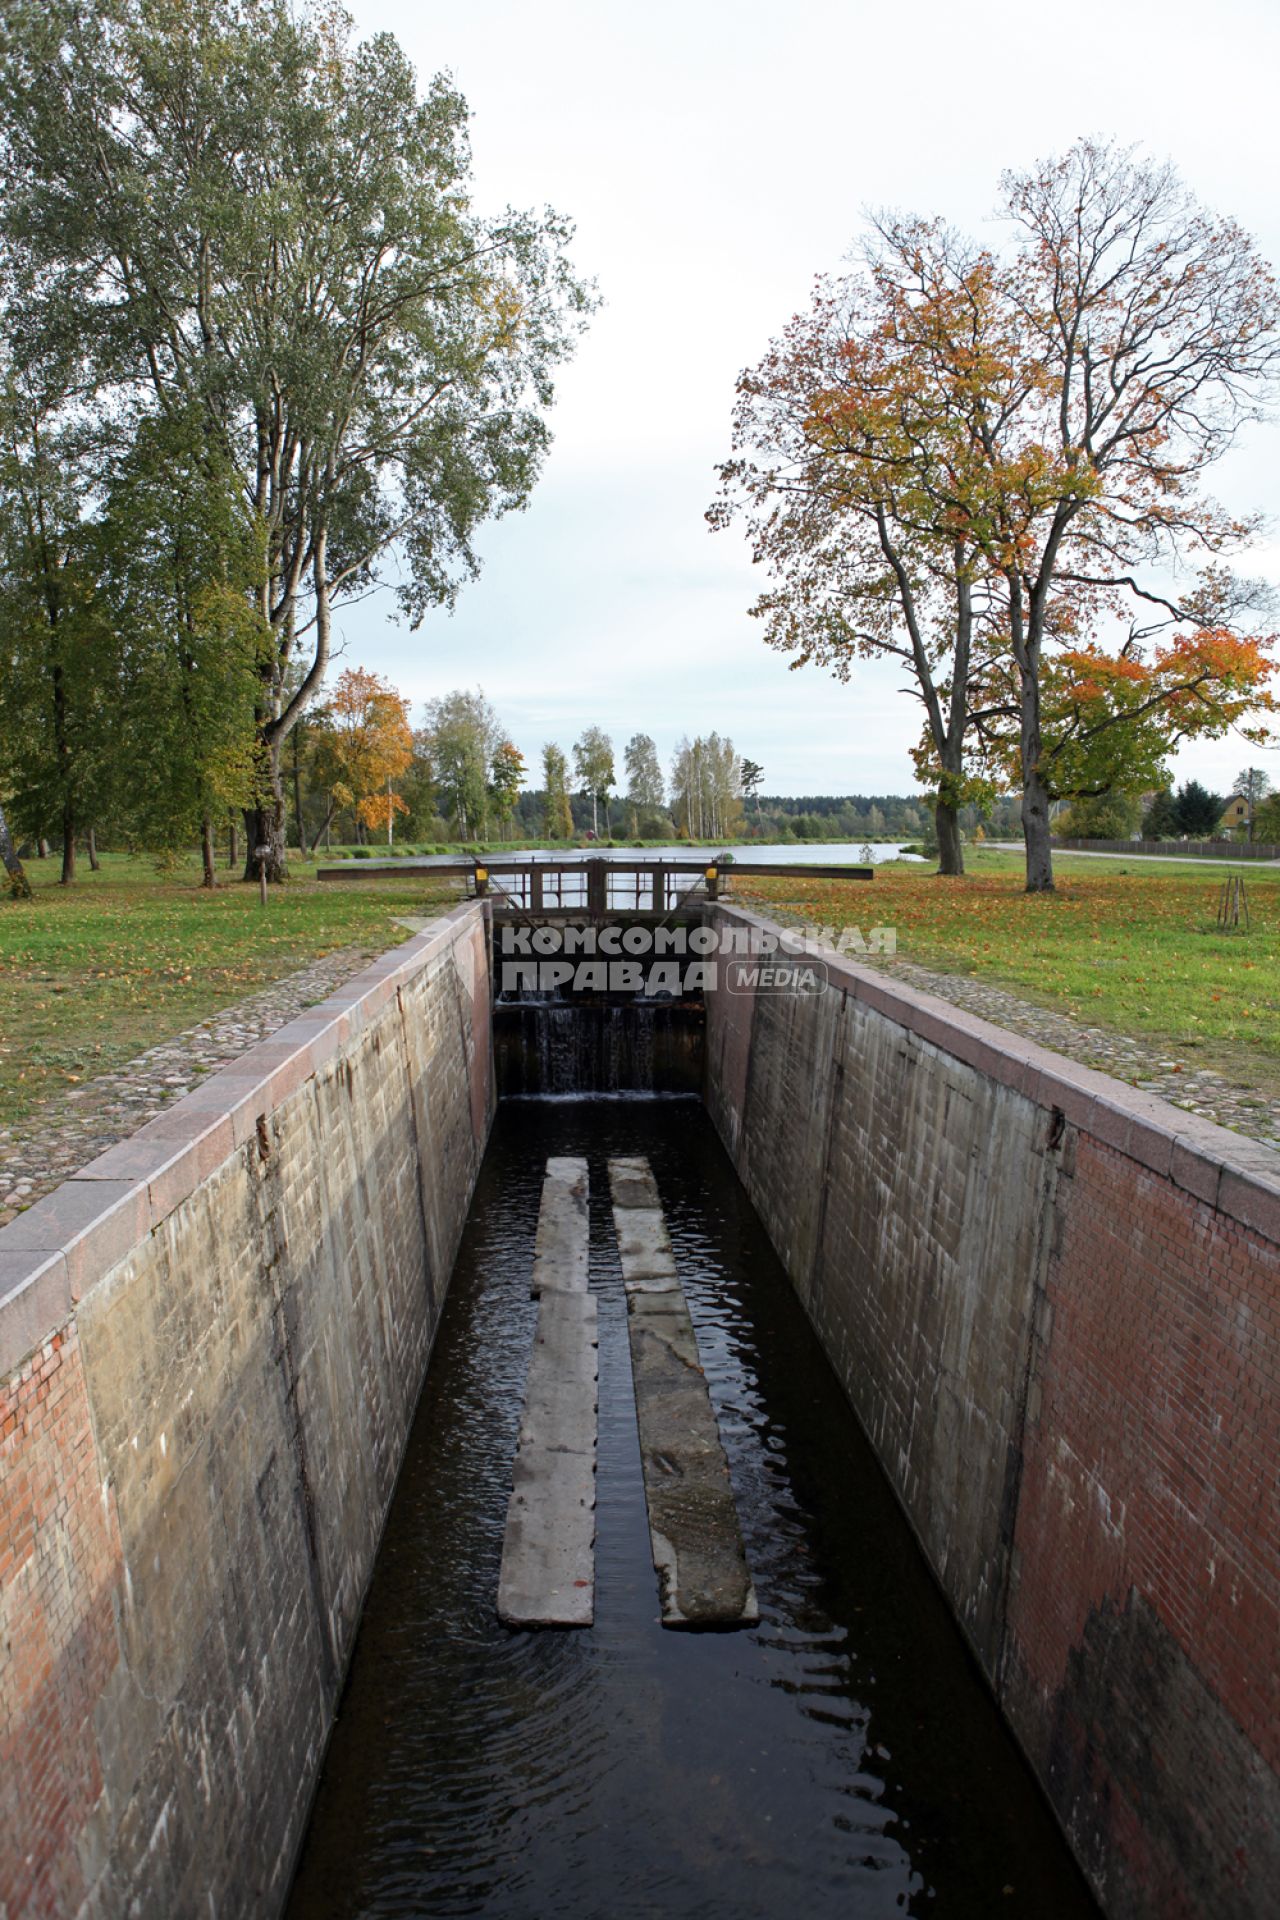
(1126, 945)
(93, 973)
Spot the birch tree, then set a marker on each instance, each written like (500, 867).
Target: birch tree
(645, 786)
(462, 735)
(555, 780)
(593, 765)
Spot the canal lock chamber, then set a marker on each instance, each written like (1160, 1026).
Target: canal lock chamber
(838, 1753)
(973, 1325)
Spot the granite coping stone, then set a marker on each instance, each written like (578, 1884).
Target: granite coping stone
(35, 1299)
(1240, 1177)
(94, 1224)
(56, 1250)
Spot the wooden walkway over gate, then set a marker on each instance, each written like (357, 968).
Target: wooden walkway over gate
(589, 886)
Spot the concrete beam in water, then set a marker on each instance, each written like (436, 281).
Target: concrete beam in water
(560, 1248)
(694, 1533)
(547, 1577)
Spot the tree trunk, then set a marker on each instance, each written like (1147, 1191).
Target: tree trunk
(91, 844)
(208, 860)
(68, 844)
(1035, 795)
(19, 885)
(42, 848)
(233, 846)
(950, 846)
(297, 794)
(1035, 832)
(265, 830)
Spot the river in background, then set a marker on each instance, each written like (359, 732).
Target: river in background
(843, 1759)
(843, 853)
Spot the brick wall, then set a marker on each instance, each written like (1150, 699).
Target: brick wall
(197, 1453)
(1055, 1306)
(60, 1571)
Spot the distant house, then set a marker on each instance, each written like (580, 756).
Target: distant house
(1236, 815)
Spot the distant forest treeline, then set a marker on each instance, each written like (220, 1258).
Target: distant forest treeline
(809, 816)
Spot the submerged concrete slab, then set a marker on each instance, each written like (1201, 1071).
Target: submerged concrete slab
(694, 1533)
(561, 1245)
(644, 1247)
(547, 1577)
(631, 1184)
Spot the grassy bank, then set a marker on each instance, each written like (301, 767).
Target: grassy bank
(93, 973)
(1131, 947)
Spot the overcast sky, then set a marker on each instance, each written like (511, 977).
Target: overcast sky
(715, 155)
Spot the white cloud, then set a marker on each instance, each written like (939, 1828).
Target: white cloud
(716, 156)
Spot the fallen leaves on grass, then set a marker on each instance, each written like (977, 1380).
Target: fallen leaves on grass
(1141, 951)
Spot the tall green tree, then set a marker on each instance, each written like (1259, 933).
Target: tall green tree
(506, 777)
(237, 205)
(58, 686)
(1160, 821)
(462, 734)
(418, 789)
(182, 559)
(593, 765)
(1197, 811)
(555, 779)
(645, 785)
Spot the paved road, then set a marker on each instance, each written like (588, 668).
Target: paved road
(1152, 859)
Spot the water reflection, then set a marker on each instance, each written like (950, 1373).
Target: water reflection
(840, 1759)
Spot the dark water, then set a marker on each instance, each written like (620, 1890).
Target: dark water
(841, 1759)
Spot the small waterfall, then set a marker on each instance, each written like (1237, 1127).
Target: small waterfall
(547, 1045)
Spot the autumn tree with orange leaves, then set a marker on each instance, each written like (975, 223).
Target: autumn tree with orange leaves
(368, 746)
(506, 777)
(992, 466)
(1109, 720)
(836, 433)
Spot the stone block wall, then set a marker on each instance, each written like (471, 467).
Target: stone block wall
(1055, 1306)
(211, 1345)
